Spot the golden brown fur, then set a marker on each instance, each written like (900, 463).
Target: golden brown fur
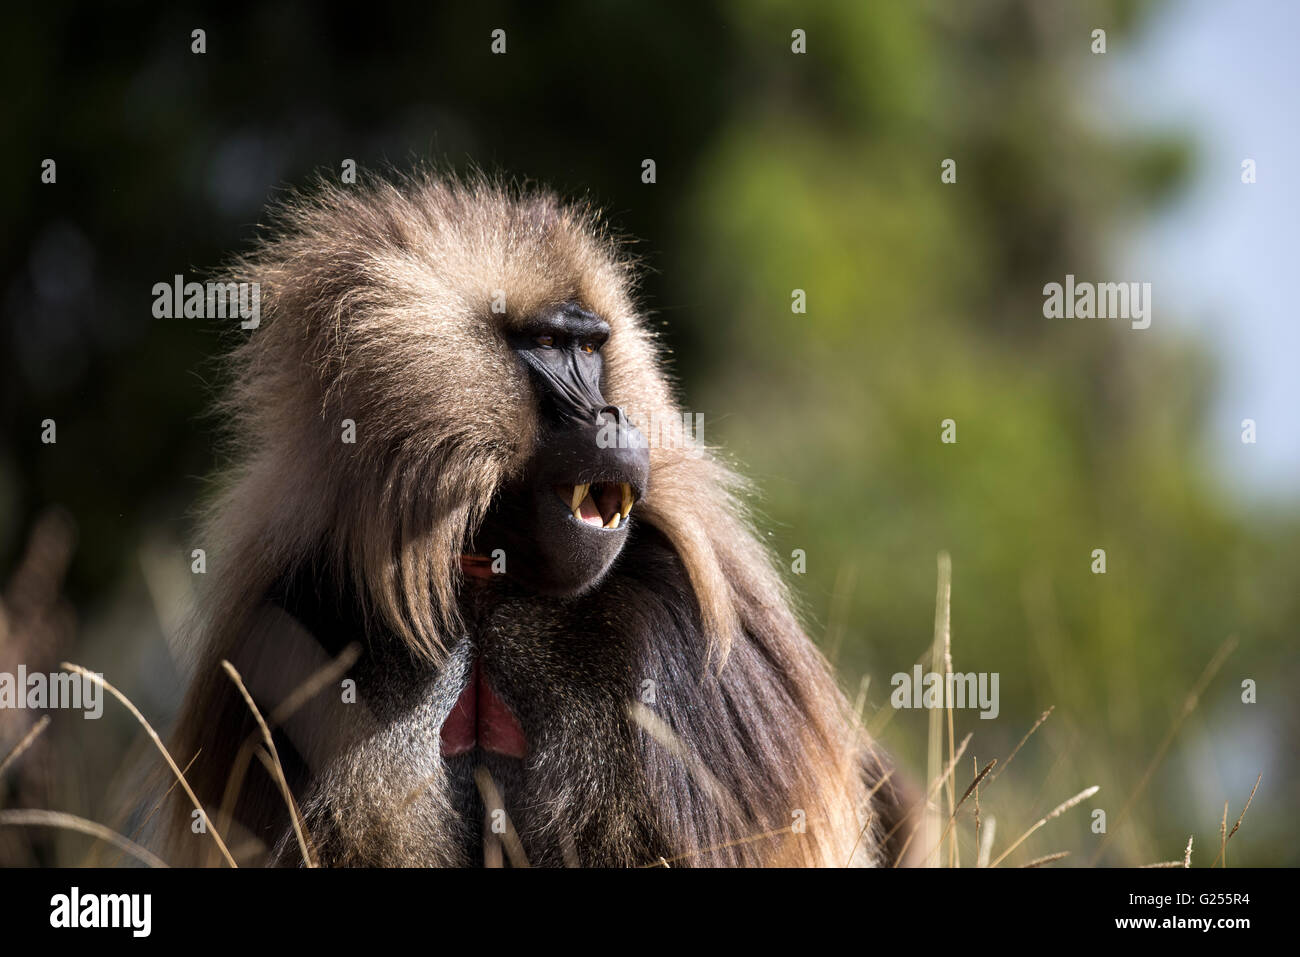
(376, 305)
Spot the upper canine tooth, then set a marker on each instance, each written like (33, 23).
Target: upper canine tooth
(627, 499)
(579, 493)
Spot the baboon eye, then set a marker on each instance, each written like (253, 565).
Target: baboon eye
(589, 347)
(546, 342)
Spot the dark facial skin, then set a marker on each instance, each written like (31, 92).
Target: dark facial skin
(583, 440)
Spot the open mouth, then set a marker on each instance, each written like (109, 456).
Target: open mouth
(598, 504)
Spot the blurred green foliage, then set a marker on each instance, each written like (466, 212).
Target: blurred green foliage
(775, 172)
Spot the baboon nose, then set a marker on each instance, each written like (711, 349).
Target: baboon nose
(628, 436)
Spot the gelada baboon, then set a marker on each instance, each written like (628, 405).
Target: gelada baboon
(553, 642)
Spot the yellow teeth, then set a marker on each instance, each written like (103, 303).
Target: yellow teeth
(579, 493)
(582, 498)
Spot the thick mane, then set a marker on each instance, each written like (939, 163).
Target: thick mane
(386, 310)
(377, 306)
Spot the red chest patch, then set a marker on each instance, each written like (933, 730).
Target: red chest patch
(481, 719)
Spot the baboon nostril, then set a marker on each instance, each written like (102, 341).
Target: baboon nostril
(610, 411)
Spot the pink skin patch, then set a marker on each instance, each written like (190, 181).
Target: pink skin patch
(481, 719)
(590, 513)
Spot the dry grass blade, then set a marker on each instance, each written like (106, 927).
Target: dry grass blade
(921, 804)
(276, 768)
(924, 803)
(1161, 864)
(986, 842)
(315, 682)
(139, 828)
(1046, 859)
(870, 816)
(976, 783)
(268, 762)
(934, 744)
(860, 704)
(952, 818)
(1055, 812)
(1187, 854)
(1189, 705)
(24, 744)
(33, 817)
(162, 748)
(492, 801)
(945, 565)
(951, 766)
(880, 720)
(1246, 808)
(1016, 750)
(1225, 838)
(413, 794)
(666, 738)
(750, 839)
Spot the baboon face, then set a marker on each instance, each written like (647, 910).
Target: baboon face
(563, 522)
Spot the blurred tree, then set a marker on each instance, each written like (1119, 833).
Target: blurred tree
(776, 171)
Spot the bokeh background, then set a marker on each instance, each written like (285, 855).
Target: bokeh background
(776, 171)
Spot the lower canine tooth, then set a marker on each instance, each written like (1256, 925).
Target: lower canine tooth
(627, 499)
(613, 522)
(579, 493)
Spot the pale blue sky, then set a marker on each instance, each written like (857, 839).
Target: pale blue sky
(1223, 257)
